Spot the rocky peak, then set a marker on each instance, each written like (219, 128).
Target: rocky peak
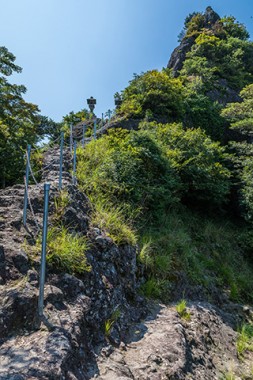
(210, 18)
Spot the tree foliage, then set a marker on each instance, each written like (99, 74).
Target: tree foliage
(240, 116)
(155, 167)
(153, 92)
(220, 52)
(17, 122)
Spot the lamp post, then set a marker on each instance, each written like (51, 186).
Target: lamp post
(91, 103)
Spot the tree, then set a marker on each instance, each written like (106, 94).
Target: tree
(18, 120)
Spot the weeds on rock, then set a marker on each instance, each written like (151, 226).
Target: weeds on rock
(111, 220)
(110, 322)
(60, 202)
(182, 311)
(245, 339)
(65, 250)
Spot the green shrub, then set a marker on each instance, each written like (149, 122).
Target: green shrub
(200, 162)
(155, 92)
(129, 169)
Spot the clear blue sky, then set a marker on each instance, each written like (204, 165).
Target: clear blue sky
(72, 49)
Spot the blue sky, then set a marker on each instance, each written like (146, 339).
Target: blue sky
(72, 49)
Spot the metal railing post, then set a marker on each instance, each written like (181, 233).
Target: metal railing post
(43, 250)
(95, 129)
(74, 164)
(61, 160)
(84, 130)
(71, 138)
(28, 152)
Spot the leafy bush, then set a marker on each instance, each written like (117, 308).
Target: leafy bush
(155, 92)
(240, 116)
(130, 169)
(200, 162)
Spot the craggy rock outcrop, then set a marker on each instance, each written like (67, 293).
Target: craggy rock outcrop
(220, 92)
(179, 54)
(223, 94)
(141, 341)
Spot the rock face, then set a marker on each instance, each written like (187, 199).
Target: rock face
(96, 325)
(75, 309)
(165, 346)
(179, 54)
(221, 92)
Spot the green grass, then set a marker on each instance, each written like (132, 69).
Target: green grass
(245, 339)
(207, 250)
(182, 310)
(65, 251)
(111, 220)
(119, 175)
(110, 322)
(228, 376)
(60, 203)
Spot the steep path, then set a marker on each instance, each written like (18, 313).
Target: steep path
(164, 346)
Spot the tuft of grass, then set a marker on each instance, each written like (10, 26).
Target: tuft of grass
(228, 376)
(60, 202)
(65, 250)
(36, 162)
(245, 339)
(110, 322)
(146, 255)
(111, 220)
(155, 288)
(182, 310)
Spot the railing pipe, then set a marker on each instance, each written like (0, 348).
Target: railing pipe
(28, 154)
(61, 160)
(74, 164)
(43, 250)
